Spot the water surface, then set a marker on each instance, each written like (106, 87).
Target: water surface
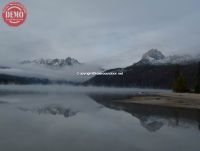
(77, 122)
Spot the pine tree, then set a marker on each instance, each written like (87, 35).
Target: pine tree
(197, 85)
(180, 84)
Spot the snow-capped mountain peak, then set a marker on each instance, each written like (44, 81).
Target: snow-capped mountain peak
(153, 54)
(155, 57)
(53, 62)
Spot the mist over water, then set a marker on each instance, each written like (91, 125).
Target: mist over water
(74, 89)
(58, 117)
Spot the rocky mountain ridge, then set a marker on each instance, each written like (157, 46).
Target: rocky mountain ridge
(53, 62)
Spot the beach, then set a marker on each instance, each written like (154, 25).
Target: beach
(166, 99)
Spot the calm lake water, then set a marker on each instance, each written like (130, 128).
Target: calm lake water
(81, 122)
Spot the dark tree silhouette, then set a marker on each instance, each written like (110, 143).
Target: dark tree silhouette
(197, 85)
(180, 84)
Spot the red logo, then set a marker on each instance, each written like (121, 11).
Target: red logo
(14, 14)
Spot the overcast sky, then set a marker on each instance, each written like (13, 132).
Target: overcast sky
(119, 31)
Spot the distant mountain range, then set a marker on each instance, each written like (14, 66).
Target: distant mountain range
(53, 62)
(154, 70)
(47, 71)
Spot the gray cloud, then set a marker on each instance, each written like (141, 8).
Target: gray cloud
(108, 31)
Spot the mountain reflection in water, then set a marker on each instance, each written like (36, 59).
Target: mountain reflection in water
(53, 109)
(81, 121)
(152, 117)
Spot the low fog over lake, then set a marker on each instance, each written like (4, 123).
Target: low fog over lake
(70, 118)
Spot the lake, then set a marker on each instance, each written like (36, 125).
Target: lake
(59, 119)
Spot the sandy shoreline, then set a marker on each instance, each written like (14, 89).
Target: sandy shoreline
(170, 99)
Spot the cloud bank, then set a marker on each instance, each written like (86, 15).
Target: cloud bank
(114, 32)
